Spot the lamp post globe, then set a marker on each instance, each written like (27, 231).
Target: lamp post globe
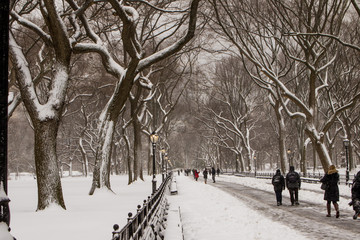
(154, 138)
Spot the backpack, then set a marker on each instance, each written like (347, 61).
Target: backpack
(292, 177)
(277, 179)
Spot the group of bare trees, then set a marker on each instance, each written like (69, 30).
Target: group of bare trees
(129, 37)
(98, 77)
(303, 55)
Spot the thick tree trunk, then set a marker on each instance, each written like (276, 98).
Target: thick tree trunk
(242, 164)
(47, 170)
(116, 165)
(320, 147)
(128, 160)
(284, 161)
(137, 148)
(108, 119)
(303, 159)
(85, 160)
(301, 141)
(101, 175)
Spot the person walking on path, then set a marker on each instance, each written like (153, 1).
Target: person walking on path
(213, 172)
(355, 195)
(205, 173)
(331, 179)
(218, 171)
(293, 184)
(196, 174)
(278, 182)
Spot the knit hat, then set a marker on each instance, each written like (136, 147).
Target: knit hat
(332, 169)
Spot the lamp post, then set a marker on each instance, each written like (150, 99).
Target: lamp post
(289, 156)
(346, 145)
(154, 138)
(166, 163)
(162, 163)
(255, 164)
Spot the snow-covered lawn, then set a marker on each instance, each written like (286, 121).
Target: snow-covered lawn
(86, 217)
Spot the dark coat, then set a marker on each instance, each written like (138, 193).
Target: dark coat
(278, 186)
(294, 185)
(332, 189)
(355, 189)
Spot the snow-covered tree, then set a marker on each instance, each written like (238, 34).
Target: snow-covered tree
(43, 83)
(257, 29)
(234, 99)
(128, 72)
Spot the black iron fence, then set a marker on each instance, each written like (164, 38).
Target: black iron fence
(143, 224)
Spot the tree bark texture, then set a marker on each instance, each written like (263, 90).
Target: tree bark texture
(47, 170)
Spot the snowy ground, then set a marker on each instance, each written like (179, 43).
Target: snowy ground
(210, 214)
(86, 217)
(206, 211)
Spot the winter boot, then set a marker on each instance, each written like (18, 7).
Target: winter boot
(328, 207)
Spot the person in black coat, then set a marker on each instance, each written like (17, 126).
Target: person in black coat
(278, 182)
(331, 179)
(213, 172)
(355, 195)
(293, 183)
(205, 173)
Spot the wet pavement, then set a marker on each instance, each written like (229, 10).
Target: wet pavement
(308, 218)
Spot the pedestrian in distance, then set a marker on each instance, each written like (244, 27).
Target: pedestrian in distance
(293, 184)
(278, 182)
(196, 174)
(355, 195)
(218, 171)
(213, 172)
(331, 195)
(205, 173)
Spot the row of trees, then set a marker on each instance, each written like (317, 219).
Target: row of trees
(48, 42)
(98, 77)
(300, 58)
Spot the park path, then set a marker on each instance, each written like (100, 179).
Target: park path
(308, 218)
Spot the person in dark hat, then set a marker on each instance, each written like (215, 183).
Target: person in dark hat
(278, 182)
(331, 195)
(293, 184)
